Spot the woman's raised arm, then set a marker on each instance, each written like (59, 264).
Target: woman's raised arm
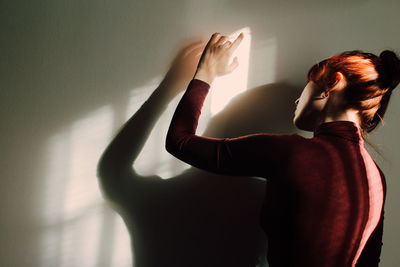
(249, 155)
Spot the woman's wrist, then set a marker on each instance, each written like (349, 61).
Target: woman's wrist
(204, 76)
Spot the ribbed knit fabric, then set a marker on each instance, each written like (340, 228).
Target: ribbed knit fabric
(325, 195)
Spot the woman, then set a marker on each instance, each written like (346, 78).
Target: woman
(325, 196)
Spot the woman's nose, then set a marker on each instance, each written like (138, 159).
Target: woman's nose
(297, 101)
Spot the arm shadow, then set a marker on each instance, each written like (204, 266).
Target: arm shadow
(196, 218)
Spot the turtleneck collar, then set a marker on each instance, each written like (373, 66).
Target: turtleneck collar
(344, 129)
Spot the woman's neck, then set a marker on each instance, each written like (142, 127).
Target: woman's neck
(348, 115)
(335, 110)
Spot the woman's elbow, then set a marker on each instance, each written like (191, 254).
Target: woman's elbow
(174, 145)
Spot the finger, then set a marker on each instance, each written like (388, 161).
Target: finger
(227, 44)
(213, 40)
(221, 41)
(214, 37)
(210, 42)
(236, 43)
(233, 65)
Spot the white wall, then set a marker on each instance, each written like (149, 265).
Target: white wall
(71, 71)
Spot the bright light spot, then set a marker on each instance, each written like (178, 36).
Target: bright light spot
(154, 159)
(74, 225)
(75, 232)
(88, 139)
(72, 203)
(57, 174)
(80, 240)
(224, 88)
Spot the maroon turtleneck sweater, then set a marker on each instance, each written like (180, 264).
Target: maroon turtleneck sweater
(325, 195)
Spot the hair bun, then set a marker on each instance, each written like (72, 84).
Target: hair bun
(391, 69)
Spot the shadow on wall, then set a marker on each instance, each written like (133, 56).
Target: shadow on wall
(197, 218)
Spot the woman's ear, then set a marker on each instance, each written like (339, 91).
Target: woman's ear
(339, 81)
(322, 95)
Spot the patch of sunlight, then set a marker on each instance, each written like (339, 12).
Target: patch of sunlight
(154, 159)
(88, 138)
(226, 87)
(72, 202)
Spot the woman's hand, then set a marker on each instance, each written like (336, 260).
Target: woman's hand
(215, 57)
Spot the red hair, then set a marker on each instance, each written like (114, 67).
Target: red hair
(369, 82)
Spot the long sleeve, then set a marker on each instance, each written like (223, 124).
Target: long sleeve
(249, 155)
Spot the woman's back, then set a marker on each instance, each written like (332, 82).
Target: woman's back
(317, 201)
(317, 210)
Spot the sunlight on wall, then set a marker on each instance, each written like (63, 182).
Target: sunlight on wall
(226, 87)
(73, 206)
(149, 161)
(154, 159)
(223, 90)
(80, 229)
(87, 139)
